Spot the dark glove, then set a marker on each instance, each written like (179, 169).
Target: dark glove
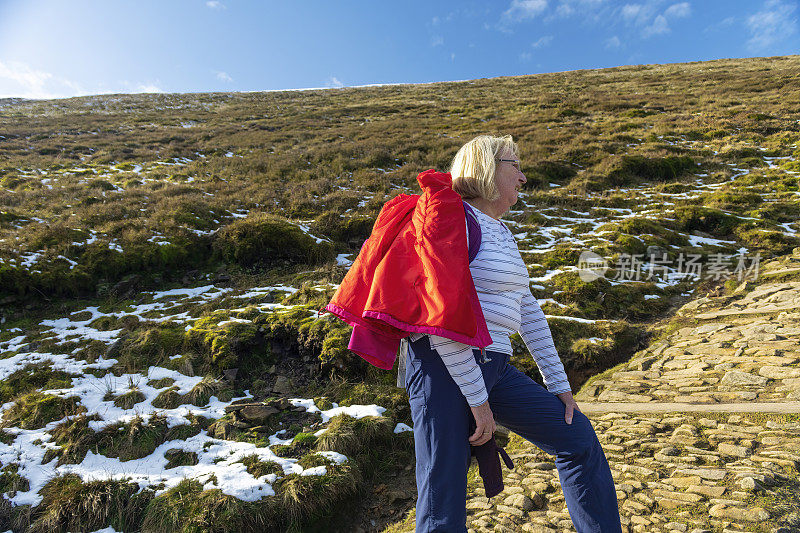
(488, 456)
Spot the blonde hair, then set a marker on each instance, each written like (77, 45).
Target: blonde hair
(474, 166)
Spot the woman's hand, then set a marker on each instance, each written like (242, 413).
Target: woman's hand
(567, 399)
(484, 420)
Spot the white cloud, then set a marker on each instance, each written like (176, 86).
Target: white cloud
(564, 10)
(658, 27)
(613, 42)
(542, 41)
(334, 82)
(771, 25)
(23, 81)
(525, 56)
(31, 82)
(223, 76)
(147, 88)
(678, 10)
(437, 40)
(631, 12)
(521, 10)
(213, 4)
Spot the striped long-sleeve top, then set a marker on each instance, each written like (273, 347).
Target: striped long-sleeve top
(502, 283)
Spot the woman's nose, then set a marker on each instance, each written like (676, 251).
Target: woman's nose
(524, 179)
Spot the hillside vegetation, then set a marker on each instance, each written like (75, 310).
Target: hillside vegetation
(163, 258)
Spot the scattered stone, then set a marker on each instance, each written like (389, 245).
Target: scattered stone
(257, 414)
(739, 378)
(753, 514)
(282, 385)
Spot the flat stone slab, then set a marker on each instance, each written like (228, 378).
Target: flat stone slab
(589, 408)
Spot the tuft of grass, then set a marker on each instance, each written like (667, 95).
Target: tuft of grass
(257, 468)
(74, 438)
(161, 383)
(69, 504)
(34, 410)
(168, 399)
(129, 399)
(187, 508)
(349, 436)
(11, 481)
(32, 377)
(133, 440)
(262, 239)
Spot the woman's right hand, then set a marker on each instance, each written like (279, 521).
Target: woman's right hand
(484, 420)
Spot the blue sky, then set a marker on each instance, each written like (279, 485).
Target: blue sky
(57, 48)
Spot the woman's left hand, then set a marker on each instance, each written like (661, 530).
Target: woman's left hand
(569, 402)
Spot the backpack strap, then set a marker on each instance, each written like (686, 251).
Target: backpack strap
(473, 232)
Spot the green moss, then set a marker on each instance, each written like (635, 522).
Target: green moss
(304, 439)
(220, 343)
(143, 348)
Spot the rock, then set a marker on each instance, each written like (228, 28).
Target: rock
(676, 526)
(753, 514)
(750, 484)
(399, 496)
(709, 491)
(684, 497)
(739, 378)
(733, 450)
(778, 372)
(282, 385)
(519, 501)
(683, 482)
(257, 414)
(713, 474)
(473, 505)
(510, 510)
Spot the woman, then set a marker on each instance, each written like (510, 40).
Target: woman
(448, 380)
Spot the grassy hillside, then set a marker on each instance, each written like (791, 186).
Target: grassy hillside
(192, 237)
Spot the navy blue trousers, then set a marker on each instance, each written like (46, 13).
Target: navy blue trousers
(441, 428)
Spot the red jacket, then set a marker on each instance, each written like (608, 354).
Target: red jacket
(412, 275)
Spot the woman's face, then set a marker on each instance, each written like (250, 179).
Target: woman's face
(509, 179)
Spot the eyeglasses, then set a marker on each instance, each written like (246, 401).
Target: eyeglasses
(514, 162)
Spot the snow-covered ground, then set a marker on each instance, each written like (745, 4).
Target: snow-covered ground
(219, 463)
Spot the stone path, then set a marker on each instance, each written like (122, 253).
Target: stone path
(700, 429)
